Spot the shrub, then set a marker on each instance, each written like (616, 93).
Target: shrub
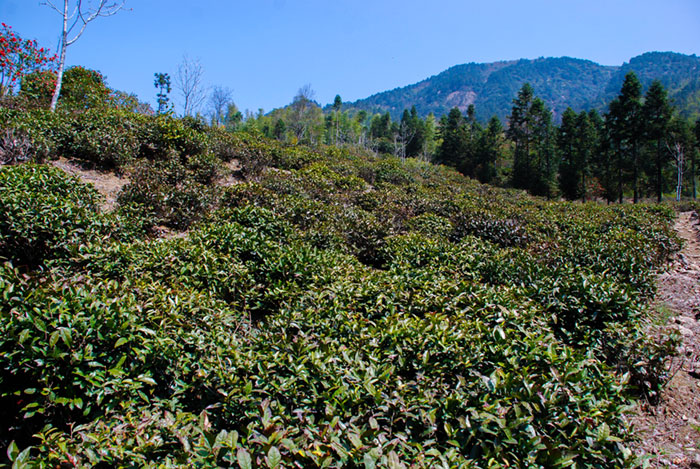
(168, 191)
(46, 214)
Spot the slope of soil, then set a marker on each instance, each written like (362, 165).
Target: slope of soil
(670, 431)
(107, 183)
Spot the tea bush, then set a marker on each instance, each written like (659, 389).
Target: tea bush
(46, 214)
(333, 309)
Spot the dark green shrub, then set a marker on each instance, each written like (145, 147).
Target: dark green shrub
(106, 139)
(46, 214)
(430, 225)
(44, 129)
(168, 191)
(504, 232)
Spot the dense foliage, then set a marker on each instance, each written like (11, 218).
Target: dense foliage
(327, 308)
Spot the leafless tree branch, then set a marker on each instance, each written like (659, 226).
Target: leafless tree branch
(188, 81)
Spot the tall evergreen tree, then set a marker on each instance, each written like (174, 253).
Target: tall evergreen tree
(627, 130)
(162, 84)
(587, 139)
(599, 163)
(566, 144)
(544, 165)
(337, 106)
(520, 133)
(454, 139)
(656, 115)
(488, 150)
(530, 129)
(470, 161)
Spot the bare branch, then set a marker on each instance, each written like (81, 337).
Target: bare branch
(50, 4)
(101, 10)
(188, 81)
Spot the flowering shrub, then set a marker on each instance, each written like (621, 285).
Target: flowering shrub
(18, 57)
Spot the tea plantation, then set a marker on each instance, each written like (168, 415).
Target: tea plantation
(328, 309)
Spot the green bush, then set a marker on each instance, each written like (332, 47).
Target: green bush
(106, 139)
(334, 310)
(168, 191)
(46, 214)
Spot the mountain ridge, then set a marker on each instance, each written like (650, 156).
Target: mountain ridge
(560, 81)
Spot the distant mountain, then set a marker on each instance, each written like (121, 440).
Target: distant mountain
(561, 82)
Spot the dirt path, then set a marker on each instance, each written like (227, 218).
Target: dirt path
(670, 431)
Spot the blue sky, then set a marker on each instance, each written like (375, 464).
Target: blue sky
(265, 50)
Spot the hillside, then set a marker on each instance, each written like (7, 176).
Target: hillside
(561, 82)
(319, 307)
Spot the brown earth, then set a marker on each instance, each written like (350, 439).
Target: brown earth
(669, 433)
(107, 183)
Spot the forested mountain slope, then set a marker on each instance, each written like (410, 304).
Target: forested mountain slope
(561, 82)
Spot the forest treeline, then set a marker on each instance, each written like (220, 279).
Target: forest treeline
(640, 148)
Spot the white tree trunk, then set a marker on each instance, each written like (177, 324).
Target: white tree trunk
(62, 58)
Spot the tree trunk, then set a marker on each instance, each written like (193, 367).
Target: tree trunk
(692, 174)
(635, 173)
(619, 173)
(659, 189)
(62, 59)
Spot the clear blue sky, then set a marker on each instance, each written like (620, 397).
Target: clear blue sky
(265, 50)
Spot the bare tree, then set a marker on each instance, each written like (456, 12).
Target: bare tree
(677, 150)
(188, 81)
(75, 19)
(219, 100)
(301, 115)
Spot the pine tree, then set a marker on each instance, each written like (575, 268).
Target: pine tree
(543, 165)
(488, 150)
(337, 106)
(627, 130)
(587, 143)
(530, 129)
(519, 131)
(162, 84)
(566, 144)
(656, 115)
(454, 139)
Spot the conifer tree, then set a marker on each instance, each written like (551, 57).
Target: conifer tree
(627, 130)
(488, 151)
(566, 144)
(519, 132)
(530, 129)
(656, 114)
(600, 157)
(337, 106)
(454, 139)
(543, 164)
(162, 84)
(416, 132)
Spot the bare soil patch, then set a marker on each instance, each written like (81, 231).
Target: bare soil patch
(670, 431)
(232, 175)
(107, 183)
